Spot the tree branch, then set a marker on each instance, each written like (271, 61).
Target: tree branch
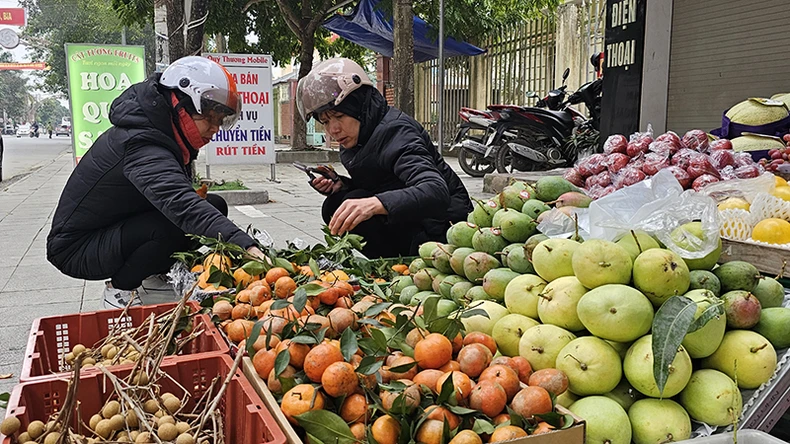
(319, 16)
(290, 17)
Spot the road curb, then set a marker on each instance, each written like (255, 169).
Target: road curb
(244, 197)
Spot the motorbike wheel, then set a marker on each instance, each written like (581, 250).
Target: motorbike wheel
(474, 164)
(535, 137)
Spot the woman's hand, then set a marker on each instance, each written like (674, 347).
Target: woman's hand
(352, 212)
(326, 186)
(258, 254)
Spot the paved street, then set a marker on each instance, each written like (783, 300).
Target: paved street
(36, 171)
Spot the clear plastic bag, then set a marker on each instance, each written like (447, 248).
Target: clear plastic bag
(743, 188)
(657, 206)
(556, 224)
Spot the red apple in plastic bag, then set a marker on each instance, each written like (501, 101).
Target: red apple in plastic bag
(573, 176)
(671, 138)
(629, 176)
(747, 172)
(663, 147)
(720, 144)
(638, 146)
(722, 158)
(608, 190)
(728, 173)
(637, 161)
(743, 159)
(701, 165)
(591, 165)
(654, 162)
(616, 143)
(697, 140)
(595, 191)
(703, 180)
(681, 175)
(616, 162)
(683, 158)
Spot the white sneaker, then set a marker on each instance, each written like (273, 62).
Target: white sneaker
(157, 290)
(157, 282)
(115, 298)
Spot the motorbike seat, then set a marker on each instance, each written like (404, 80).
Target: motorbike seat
(563, 116)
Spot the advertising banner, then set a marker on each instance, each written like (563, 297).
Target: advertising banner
(251, 141)
(97, 74)
(13, 16)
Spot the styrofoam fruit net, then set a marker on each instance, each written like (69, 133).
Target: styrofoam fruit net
(736, 224)
(765, 206)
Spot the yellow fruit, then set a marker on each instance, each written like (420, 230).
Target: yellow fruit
(218, 261)
(10, 425)
(332, 276)
(734, 203)
(782, 192)
(780, 181)
(772, 231)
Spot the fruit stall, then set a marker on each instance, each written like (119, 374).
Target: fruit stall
(524, 326)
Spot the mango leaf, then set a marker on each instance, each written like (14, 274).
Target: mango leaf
(279, 304)
(254, 334)
(300, 299)
(403, 368)
(481, 426)
(369, 365)
(348, 344)
(255, 268)
(326, 426)
(314, 267)
(376, 309)
(281, 362)
(713, 311)
(670, 325)
(447, 391)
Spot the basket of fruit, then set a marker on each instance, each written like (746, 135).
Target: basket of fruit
(55, 340)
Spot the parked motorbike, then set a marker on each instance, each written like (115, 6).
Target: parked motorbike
(476, 132)
(543, 137)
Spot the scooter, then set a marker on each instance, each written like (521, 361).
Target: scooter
(477, 155)
(542, 136)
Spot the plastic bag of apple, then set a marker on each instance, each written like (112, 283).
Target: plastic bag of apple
(693, 159)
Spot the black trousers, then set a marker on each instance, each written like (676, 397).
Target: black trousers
(382, 239)
(148, 241)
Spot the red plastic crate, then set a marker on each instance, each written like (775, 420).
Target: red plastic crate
(52, 337)
(245, 417)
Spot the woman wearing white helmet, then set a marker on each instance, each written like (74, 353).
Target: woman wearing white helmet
(400, 192)
(129, 203)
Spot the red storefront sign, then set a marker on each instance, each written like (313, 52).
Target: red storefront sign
(12, 16)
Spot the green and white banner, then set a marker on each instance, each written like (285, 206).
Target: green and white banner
(97, 74)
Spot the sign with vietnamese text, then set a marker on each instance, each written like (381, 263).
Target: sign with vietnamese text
(622, 71)
(251, 141)
(97, 75)
(12, 16)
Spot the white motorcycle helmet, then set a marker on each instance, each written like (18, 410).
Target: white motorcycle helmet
(327, 85)
(209, 86)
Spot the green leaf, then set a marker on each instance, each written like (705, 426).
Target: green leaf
(553, 419)
(429, 308)
(379, 339)
(304, 339)
(281, 362)
(313, 440)
(314, 267)
(448, 391)
(207, 303)
(255, 268)
(567, 421)
(670, 325)
(377, 291)
(393, 386)
(458, 410)
(326, 426)
(376, 309)
(280, 262)
(403, 368)
(311, 288)
(516, 419)
(279, 304)
(300, 299)
(287, 383)
(348, 344)
(369, 365)
(254, 334)
(474, 312)
(481, 426)
(713, 311)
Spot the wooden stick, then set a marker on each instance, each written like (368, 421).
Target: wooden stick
(135, 406)
(219, 395)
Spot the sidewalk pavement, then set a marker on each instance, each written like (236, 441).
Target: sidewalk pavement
(30, 287)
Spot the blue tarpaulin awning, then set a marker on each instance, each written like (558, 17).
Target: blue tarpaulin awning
(367, 26)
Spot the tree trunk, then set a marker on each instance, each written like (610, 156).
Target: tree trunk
(175, 29)
(403, 56)
(299, 133)
(160, 29)
(194, 44)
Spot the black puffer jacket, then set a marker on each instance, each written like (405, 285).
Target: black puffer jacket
(396, 161)
(134, 167)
